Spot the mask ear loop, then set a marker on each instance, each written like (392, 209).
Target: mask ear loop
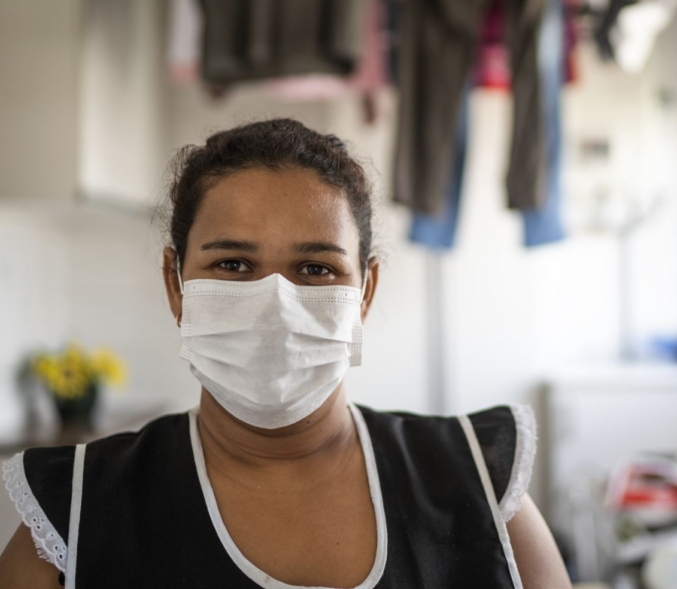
(364, 283)
(356, 346)
(178, 273)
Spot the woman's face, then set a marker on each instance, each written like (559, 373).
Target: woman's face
(258, 222)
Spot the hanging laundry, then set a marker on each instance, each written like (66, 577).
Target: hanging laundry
(628, 30)
(438, 42)
(257, 39)
(571, 8)
(370, 76)
(492, 68)
(541, 225)
(544, 225)
(439, 231)
(393, 37)
(607, 24)
(638, 28)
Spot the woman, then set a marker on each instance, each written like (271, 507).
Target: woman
(276, 480)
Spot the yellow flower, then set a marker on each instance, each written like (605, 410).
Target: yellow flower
(71, 373)
(66, 375)
(70, 385)
(108, 367)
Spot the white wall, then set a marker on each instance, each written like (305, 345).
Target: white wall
(33, 298)
(39, 43)
(121, 113)
(118, 299)
(655, 244)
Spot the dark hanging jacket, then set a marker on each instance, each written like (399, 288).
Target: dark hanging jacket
(255, 39)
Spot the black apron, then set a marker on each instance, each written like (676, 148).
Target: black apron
(143, 519)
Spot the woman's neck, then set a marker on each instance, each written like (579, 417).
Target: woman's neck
(226, 439)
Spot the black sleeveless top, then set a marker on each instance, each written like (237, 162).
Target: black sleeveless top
(137, 509)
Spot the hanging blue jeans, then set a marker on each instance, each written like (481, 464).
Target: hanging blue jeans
(544, 225)
(540, 226)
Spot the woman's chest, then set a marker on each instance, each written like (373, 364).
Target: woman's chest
(323, 535)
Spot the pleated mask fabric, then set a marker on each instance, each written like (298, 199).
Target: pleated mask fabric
(269, 351)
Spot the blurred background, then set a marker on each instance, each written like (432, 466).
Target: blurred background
(524, 160)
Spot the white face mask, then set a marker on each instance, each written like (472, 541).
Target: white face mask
(269, 351)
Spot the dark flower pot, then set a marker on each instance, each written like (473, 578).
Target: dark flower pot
(76, 414)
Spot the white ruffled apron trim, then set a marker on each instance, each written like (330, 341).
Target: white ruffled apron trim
(522, 468)
(48, 542)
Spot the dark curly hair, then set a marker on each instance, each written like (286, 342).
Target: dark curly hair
(273, 144)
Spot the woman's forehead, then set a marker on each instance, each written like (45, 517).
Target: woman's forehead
(275, 205)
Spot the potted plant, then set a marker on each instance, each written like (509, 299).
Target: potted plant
(74, 378)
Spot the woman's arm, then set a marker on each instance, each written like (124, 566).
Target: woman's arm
(22, 568)
(538, 559)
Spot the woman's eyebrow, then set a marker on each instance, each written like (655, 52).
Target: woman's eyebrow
(231, 244)
(318, 247)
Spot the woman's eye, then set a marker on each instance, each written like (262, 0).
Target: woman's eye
(232, 266)
(315, 270)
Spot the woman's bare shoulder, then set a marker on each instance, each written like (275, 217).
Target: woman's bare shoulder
(22, 568)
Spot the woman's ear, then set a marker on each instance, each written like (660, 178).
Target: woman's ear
(170, 274)
(370, 289)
